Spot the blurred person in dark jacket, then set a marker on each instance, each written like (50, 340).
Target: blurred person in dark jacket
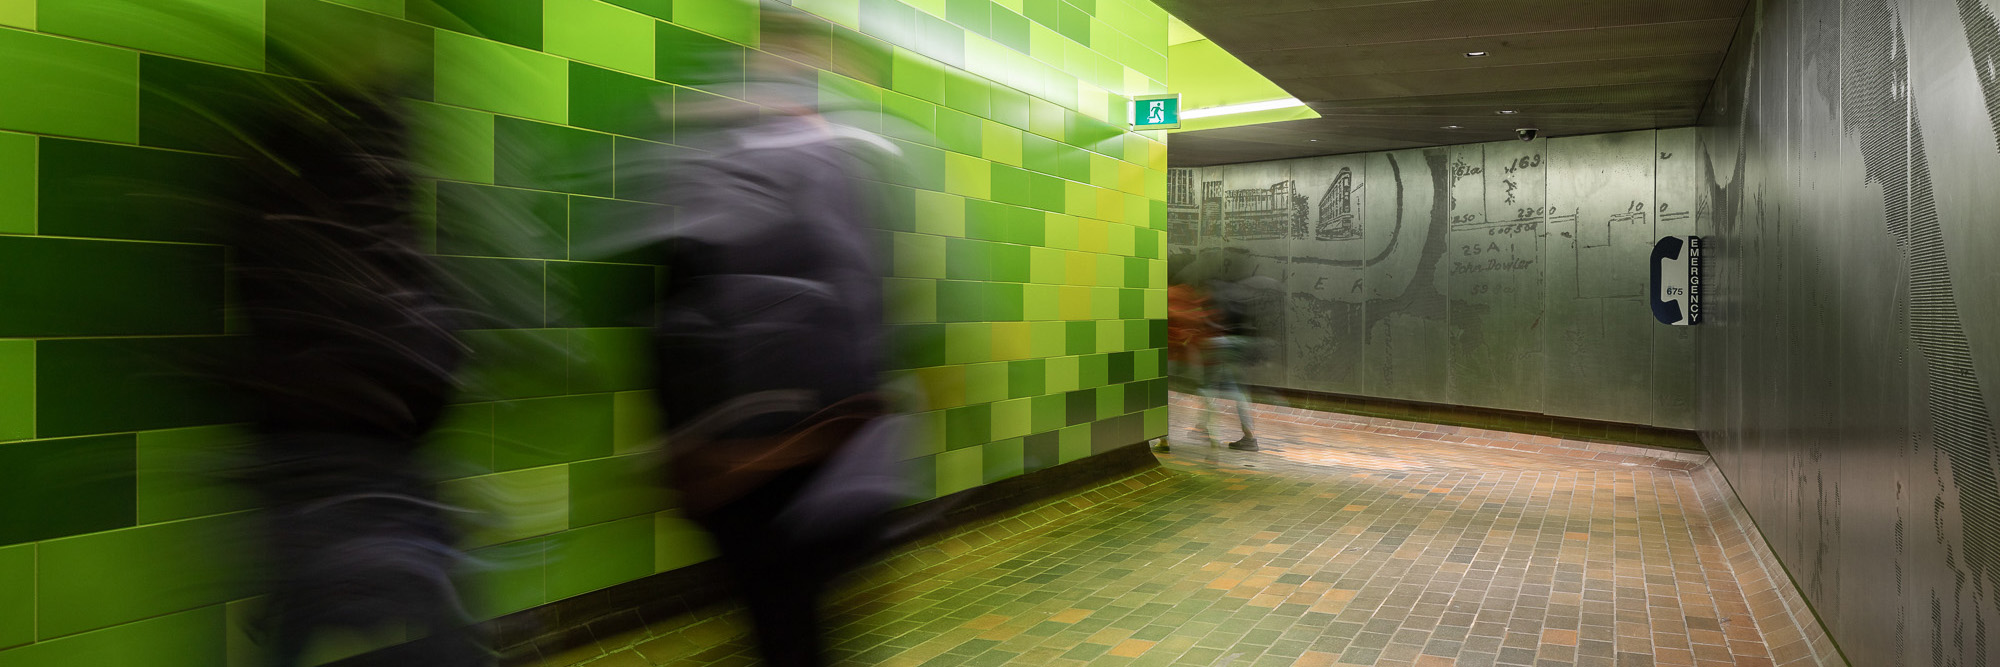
(770, 342)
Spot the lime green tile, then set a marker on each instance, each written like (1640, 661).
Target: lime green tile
(959, 132)
(940, 213)
(1062, 231)
(968, 176)
(1156, 422)
(1002, 459)
(635, 422)
(1110, 401)
(1075, 443)
(600, 556)
(1110, 336)
(115, 577)
(968, 342)
(455, 144)
(513, 505)
(386, 7)
(1013, 419)
(1063, 374)
(1002, 143)
(17, 390)
(1050, 413)
(985, 383)
(917, 255)
(476, 73)
(917, 76)
(600, 34)
(1041, 302)
(1050, 339)
(17, 184)
(733, 20)
(960, 469)
(967, 93)
(17, 595)
(189, 639)
(844, 12)
(1146, 364)
(910, 300)
(506, 578)
(69, 88)
(184, 473)
(18, 13)
(230, 32)
(678, 543)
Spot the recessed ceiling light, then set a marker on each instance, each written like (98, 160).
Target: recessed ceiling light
(1312, 140)
(1507, 112)
(1452, 127)
(1475, 54)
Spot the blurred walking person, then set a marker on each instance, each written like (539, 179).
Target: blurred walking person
(1231, 347)
(1190, 324)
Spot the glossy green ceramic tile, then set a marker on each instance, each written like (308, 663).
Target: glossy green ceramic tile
(230, 32)
(733, 20)
(65, 87)
(545, 431)
(188, 639)
(659, 9)
(461, 445)
(542, 156)
(506, 578)
(593, 557)
(17, 183)
(317, 40)
(488, 221)
(454, 143)
(70, 287)
(1003, 459)
(589, 294)
(600, 34)
(498, 293)
(17, 595)
(512, 505)
(516, 22)
(602, 490)
(602, 230)
(635, 422)
(112, 191)
(18, 13)
(960, 469)
(610, 359)
(57, 488)
(472, 72)
(104, 579)
(678, 543)
(114, 385)
(974, 15)
(619, 103)
(185, 473)
(514, 363)
(17, 390)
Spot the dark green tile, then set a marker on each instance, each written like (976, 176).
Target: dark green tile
(603, 490)
(1080, 406)
(546, 431)
(91, 386)
(1094, 370)
(514, 363)
(1026, 378)
(606, 230)
(597, 557)
(1082, 337)
(192, 106)
(961, 301)
(968, 426)
(692, 107)
(918, 345)
(619, 103)
(73, 287)
(517, 22)
(694, 59)
(968, 259)
(487, 221)
(1051, 412)
(1005, 302)
(643, 168)
(587, 294)
(497, 293)
(660, 9)
(610, 359)
(1119, 367)
(1041, 450)
(128, 192)
(1131, 304)
(320, 40)
(541, 156)
(72, 486)
(1138, 273)
(1010, 262)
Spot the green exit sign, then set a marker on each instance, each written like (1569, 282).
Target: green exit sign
(1156, 112)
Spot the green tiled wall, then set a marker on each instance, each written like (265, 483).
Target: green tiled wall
(1027, 296)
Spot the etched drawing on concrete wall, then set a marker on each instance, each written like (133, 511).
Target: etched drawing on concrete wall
(1423, 275)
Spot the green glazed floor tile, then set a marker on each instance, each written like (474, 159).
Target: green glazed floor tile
(472, 72)
(230, 32)
(187, 639)
(68, 88)
(600, 34)
(105, 579)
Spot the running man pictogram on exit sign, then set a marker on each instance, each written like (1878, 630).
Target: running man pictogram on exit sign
(1156, 112)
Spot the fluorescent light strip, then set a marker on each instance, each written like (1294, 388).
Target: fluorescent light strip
(1268, 105)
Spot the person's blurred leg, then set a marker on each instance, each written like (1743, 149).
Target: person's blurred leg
(779, 581)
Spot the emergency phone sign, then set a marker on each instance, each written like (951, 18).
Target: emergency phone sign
(1156, 112)
(1676, 296)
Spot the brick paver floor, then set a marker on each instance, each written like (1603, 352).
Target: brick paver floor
(1329, 547)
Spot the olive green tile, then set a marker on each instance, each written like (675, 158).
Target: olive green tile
(185, 473)
(595, 557)
(590, 294)
(17, 183)
(115, 385)
(512, 505)
(545, 431)
(516, 22)
(610, 359)
(453, 143)
(230, 32)
(620, 103)
(188, 639)
(319, 40)
(17, 390)
(600, 34)
(128, 192)
(543, 156)
(18, 13)
(659, 9)
(472, 72)
(110, 578)
(56, 488)
(733, 20)
(635, 422)
(74, 287)
(505, 578)
(958, 470)
(17, 595)
(678, 542)
(612, 488)
(1003, 459)
(1075, 442)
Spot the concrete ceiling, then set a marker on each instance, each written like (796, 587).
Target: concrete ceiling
(1389, 74)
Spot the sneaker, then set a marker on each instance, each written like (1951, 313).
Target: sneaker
(1247, 444)
(1161, 445)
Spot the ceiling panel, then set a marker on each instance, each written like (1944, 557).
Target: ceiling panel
(1394, 74)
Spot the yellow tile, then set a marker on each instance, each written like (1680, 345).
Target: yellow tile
(1104, 303)
(1076, 303)
(1011, 341)
(1103, 171)
(968, 176)
(1080, 269)
(1131, 178)
(1122, 241)
(1110, 205)
(1093, 235)
(944, 386)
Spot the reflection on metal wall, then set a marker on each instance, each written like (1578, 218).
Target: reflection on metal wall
(1505, 275)
(1850, 369)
